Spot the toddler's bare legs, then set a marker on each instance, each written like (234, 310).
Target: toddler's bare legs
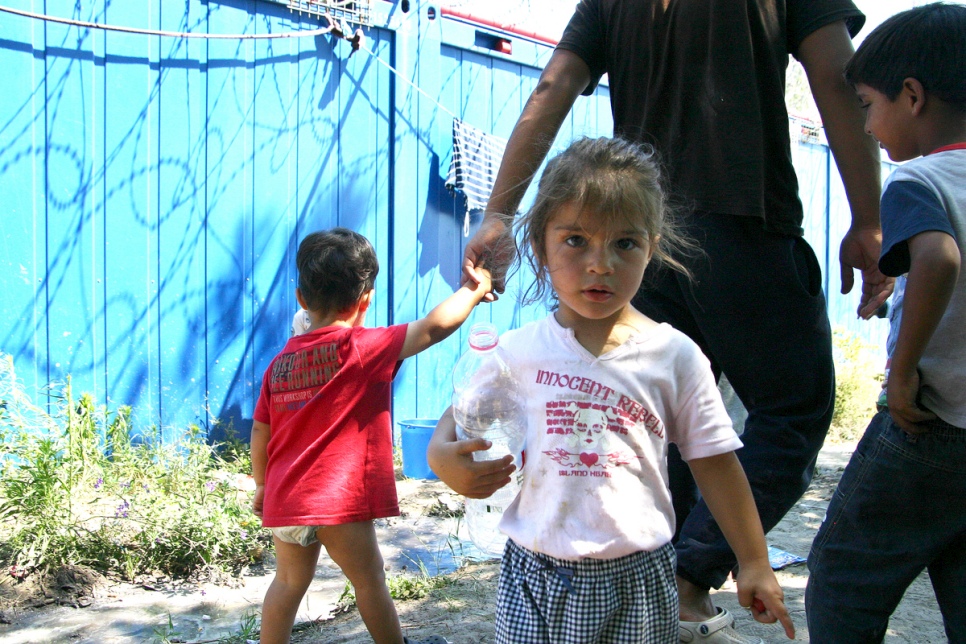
(354, 548)
(294, 572)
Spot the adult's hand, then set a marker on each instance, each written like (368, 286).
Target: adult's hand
(860, 251)
(561, 82)
(490, 248)
(824, 54)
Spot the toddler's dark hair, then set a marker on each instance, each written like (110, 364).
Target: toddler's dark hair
(614, 180)
(927, 43)
(336, 268)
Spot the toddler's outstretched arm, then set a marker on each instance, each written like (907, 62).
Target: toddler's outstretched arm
(725, 489)
(446, 317)
(452, 460)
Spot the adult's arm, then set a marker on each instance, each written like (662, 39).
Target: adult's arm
(824, 54)
(563, 79)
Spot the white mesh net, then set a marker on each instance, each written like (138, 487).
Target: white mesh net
(355, 12)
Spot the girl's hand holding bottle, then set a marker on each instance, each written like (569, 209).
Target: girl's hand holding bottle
(452, 461)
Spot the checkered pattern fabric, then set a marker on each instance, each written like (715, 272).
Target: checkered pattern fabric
(629, 600)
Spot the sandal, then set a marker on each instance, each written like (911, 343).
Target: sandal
(720, 629)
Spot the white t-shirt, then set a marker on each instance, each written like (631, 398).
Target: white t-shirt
(929, 194)
(301, 322)
(595, 481)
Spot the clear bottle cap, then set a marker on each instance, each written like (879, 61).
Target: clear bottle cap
(483, 336)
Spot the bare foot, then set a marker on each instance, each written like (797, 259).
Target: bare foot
(695, 602)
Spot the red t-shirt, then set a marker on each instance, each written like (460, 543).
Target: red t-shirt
(327, 398)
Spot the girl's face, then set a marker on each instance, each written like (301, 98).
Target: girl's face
(595, 267)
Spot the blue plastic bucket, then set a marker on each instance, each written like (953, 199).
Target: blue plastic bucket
(415, 435)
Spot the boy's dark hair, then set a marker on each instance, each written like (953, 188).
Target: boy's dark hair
(927, 43)
(336, 268)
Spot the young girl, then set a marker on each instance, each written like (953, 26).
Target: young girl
(589, 555)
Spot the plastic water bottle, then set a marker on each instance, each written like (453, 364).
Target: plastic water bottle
(488, 403)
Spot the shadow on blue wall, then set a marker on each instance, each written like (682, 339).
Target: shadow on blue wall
(127, 298)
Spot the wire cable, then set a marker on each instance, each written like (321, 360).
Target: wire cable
(174, 34)
(333, 27)
(416, 87)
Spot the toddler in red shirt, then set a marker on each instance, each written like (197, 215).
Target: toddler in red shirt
(322, 434)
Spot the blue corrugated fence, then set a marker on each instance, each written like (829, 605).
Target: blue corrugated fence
(154, 190)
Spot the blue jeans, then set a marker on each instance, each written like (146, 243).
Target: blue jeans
(899, 508)
(757, 310)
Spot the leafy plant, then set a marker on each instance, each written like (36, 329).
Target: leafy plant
(405, 587)
(346, 601)
(79, 486)
(858, 379)
(401, 587)
(167, 633)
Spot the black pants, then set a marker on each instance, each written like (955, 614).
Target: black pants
(756, 308)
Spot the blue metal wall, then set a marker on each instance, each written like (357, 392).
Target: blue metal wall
(487, 90)
(154, 190)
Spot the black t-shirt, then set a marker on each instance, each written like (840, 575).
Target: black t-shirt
(703, 81)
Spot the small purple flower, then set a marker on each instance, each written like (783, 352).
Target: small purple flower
(126, 484)
(98, 483)
(244, 534)
(210, 486)
(145, 486)
(121, 511)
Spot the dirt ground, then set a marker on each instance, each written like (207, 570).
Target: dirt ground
(462, 610)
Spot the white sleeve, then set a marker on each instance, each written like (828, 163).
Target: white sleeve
(701, 426)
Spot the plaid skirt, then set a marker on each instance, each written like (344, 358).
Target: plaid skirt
(628, 600)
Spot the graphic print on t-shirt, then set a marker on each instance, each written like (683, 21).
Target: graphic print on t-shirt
(590, 422)
(299, 375)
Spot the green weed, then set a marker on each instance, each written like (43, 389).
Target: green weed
(78, 486)
(248, 630)
(858, 379)
(167, 633)
(401, 587)
(346, 601)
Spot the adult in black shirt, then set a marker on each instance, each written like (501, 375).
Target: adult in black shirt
(703, 82)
